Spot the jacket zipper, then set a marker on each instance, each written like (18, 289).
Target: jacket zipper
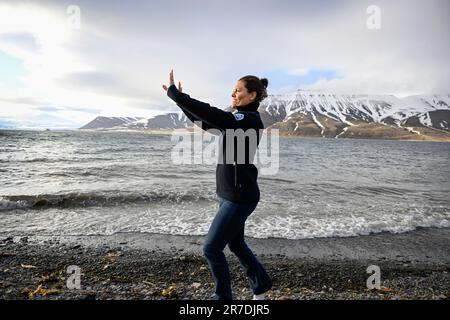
(235, 175)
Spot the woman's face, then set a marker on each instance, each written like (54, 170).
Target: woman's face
(240, 95)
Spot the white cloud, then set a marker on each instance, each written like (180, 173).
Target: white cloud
(298, 72)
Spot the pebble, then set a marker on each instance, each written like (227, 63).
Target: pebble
(196, 285)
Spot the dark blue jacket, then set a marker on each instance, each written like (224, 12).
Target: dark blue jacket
(236, 182)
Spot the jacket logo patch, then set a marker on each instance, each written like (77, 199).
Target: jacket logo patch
(238, 116)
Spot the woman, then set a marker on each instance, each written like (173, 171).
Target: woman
(236, 183)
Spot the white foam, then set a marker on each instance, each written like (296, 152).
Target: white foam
(6, 204)
(177, 219)
(321, 228)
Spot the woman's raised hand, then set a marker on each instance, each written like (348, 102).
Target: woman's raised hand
(171, 82)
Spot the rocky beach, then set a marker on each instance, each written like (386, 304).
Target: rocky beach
(414, 265)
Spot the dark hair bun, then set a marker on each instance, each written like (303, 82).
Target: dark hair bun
(265, 82)
(255, 84)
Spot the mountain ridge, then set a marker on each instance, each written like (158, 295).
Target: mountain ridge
(313, 113)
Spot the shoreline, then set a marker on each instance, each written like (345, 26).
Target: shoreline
(169, 132)
(284, 135)
(420, 245)
(414, 265)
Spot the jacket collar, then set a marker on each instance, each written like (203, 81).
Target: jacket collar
(252, 106)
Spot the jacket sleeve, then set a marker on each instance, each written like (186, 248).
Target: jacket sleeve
(194, 119)
(213, 117)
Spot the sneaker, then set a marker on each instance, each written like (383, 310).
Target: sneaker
(261, 296)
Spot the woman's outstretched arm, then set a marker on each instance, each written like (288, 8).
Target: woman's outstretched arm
(188, 114)
(212, 116)
(192, 117)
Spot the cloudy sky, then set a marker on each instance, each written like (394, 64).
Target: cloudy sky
(60, 72)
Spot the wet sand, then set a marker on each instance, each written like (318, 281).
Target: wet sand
(414, 265)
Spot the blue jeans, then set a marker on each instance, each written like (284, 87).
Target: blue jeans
(228, 228)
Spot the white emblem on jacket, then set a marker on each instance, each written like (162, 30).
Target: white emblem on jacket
(238, 116)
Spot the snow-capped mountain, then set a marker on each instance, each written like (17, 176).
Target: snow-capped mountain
(429, 111)
(109, 122)
(323, 114)
(163, 121)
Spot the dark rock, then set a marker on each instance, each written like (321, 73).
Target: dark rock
(41, 203)
(90, 296)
